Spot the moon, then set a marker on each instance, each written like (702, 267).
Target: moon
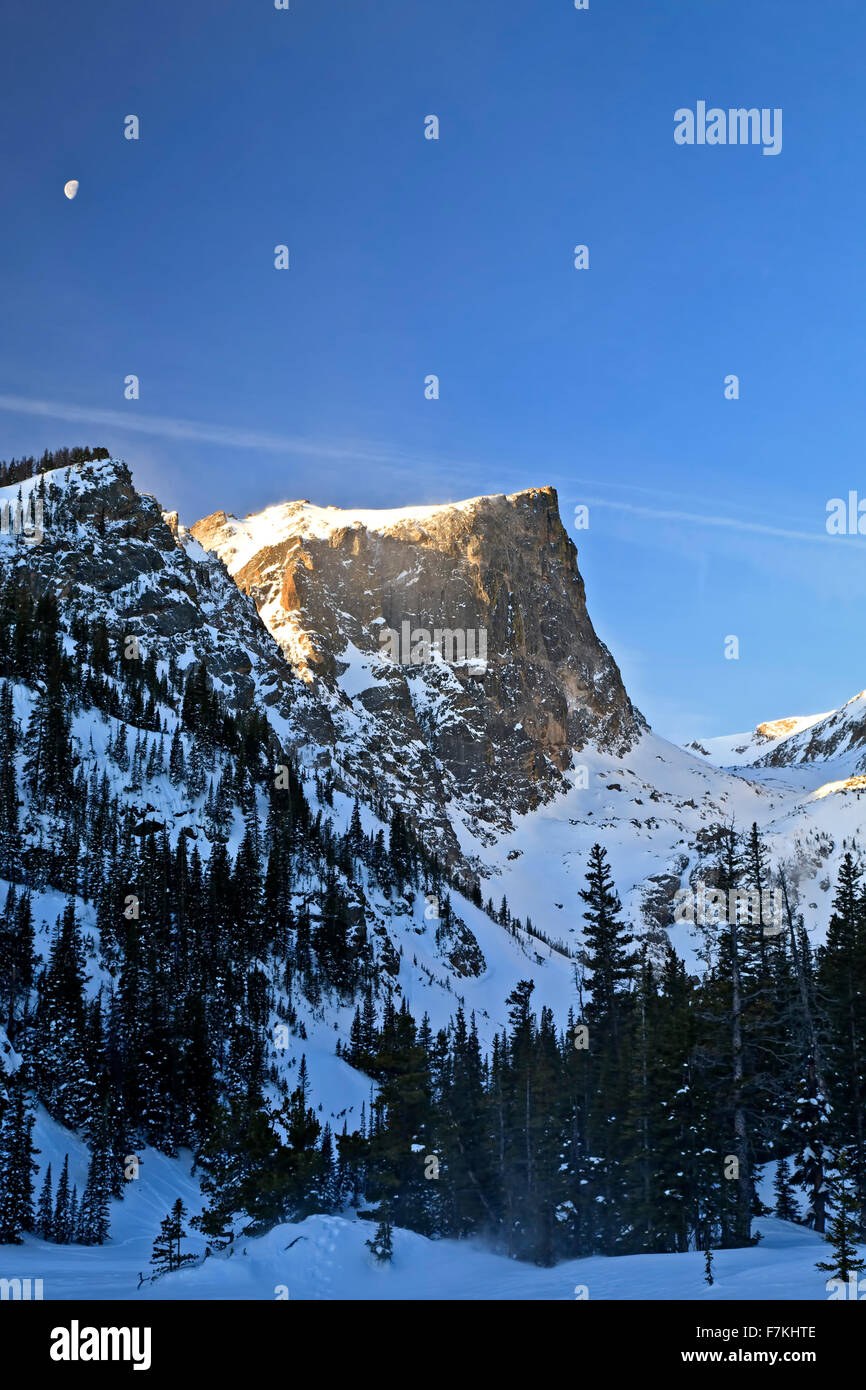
(71, 188)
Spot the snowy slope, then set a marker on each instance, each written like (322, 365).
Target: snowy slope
(325, 1257)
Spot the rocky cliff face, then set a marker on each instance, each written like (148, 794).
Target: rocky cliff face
(351, 597)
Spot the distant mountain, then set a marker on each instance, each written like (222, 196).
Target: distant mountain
(816, 738)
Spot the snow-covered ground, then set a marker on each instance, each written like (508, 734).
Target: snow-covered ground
(325, 1257)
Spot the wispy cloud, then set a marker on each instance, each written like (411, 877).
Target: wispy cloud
(729, 523)
(197, 430)
(228, 436)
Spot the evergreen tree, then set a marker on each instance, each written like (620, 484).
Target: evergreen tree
(607, 940)
(10, 837)
(382, 1244)
(708, 1264)
(72, 1220)
(17, 1166)
(786, 1205)
(49, 758)
(176, 759)
(94, 1221)
(842, 990)
(45, 1211)
(809, 1127)
(732, 1069)
(609, 1018)
(166, 1255)
(61, 1067)
(842, 1234)
(17, 960)
(62, 1230)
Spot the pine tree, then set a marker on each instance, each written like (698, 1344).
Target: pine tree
(382, 1244)
(400, 851)
(10, 836)
(842, 1234)
(327, 1187)
(17, 960)
(755, 874)
(607, 940)
(62, 1234)
(17, 1166)
(61, 1068)
(610, 1018)
(809, 1127)
(45, 1210)
(50, 761)
(178, 1216)
(727, 991)
(786, 1206)
(73, 1215)
(119, 751)
(94, 1221)
(842, 990)
(166, 1254)
(176, 760)
(356, 831)
(162, 1255)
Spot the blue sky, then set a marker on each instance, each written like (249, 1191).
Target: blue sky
(454, 257)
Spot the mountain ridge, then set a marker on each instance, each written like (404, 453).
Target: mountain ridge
(511, 791)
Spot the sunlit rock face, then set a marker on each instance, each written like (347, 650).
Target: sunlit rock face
(451, 644)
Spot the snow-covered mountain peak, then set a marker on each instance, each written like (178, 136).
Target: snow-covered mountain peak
(743, 750)
(239, 540)
(835, 735)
